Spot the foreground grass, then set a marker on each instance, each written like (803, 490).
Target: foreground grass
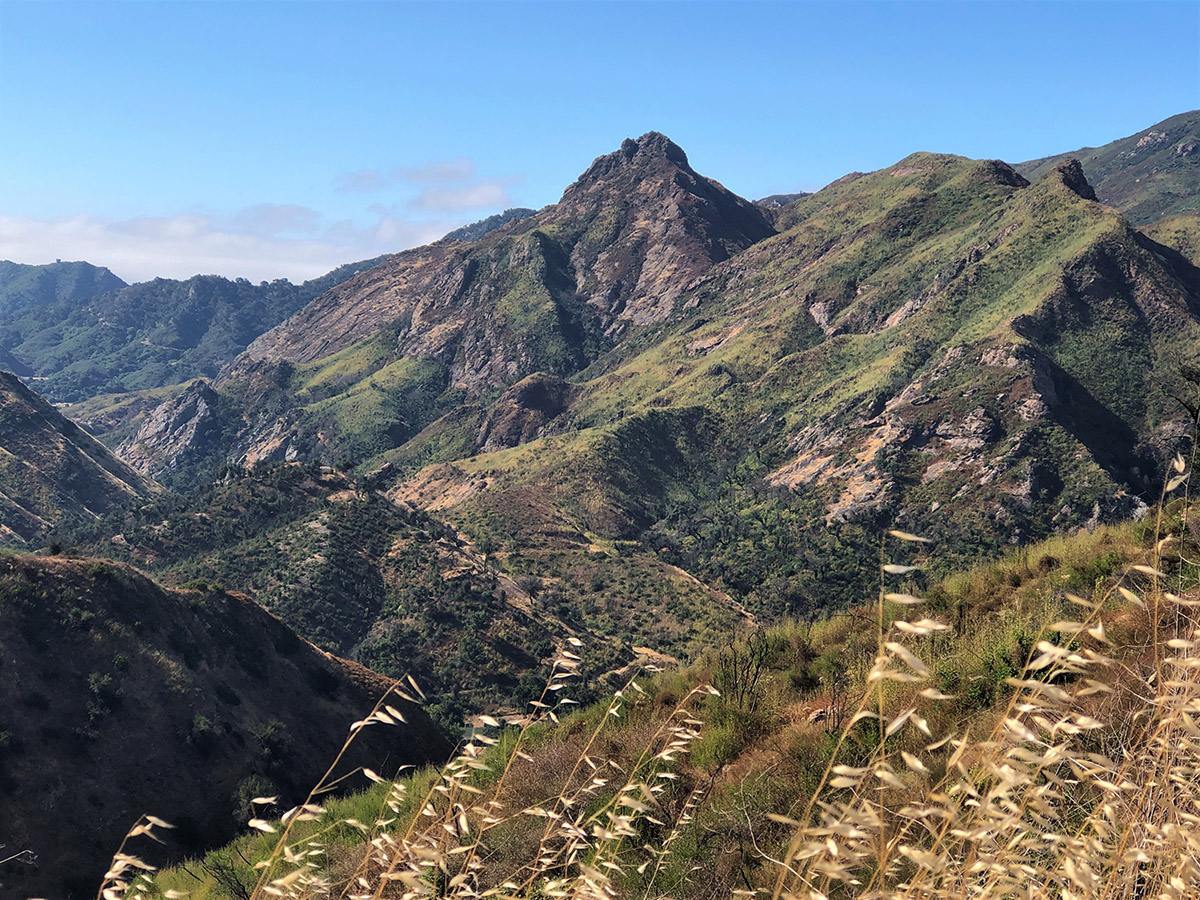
(1027, 729)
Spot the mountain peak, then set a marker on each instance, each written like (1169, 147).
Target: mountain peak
(651, 149)
(654, 144)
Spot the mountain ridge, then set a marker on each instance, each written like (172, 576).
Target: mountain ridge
(1148, 176)
(150, 334)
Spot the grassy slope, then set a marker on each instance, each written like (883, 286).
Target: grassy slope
(783, 715)
(1147, 176)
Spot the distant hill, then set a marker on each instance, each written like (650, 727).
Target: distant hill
(1147, 176)
(32, 287)
(120, 698)
(52, 473)
(151, 334)
(476, 230)
(775, 201)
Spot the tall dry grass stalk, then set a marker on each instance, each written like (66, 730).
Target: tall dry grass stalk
(578, 835)
(1050, 802)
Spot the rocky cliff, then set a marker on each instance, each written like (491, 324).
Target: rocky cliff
(52, 472)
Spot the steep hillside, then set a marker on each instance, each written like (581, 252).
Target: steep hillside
(148, 335)
(119, 698)
(879, 749)
(52, 473)
(1147, 176)
(938, 343)
(24, 287)
(368, 365)
(399, 591)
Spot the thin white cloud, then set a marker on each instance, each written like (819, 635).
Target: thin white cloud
(366, 181)
(444, 184)
(273, 219)
(483, 194)
(440, 171)
(242, 246)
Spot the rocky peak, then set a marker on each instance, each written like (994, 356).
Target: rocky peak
(179, 428)
(1070, 173)
(651, 150)
(644, 224)
(654, 143)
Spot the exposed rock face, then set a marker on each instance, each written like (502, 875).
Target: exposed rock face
(1070, 173)
(121, 698)
(52, 472)
(181, 428)
(523, 412)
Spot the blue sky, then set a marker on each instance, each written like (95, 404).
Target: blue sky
(281, 139)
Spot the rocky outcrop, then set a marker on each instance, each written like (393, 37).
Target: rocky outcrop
(184, 427)
(1070, 173)
(524, 412)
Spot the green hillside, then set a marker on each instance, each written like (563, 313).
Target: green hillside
(24, 287)
(138, 337)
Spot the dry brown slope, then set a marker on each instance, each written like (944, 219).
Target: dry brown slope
(119, 698)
